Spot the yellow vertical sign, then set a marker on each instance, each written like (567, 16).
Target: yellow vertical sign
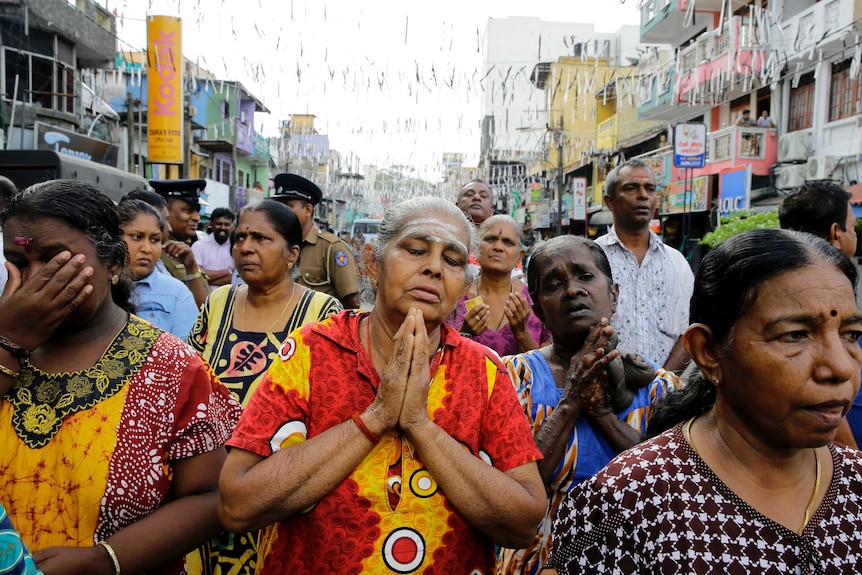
(165, 90)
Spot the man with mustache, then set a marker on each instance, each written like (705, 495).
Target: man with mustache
(184, 204)
(475, 200)
(655, 280)
(214, 252)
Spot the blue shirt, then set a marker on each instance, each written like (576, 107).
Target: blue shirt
(165, 302)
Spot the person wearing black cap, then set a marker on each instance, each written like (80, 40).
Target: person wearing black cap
(184, 203)
(326, 263)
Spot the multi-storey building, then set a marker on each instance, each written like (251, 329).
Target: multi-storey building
(591, 106)
(221, 142)
(515, 116)
(53, 54)
(799, 60)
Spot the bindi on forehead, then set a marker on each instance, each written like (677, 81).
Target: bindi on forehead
(24, 241)
(833, 313)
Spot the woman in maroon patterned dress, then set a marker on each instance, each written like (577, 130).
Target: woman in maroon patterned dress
(746, 479)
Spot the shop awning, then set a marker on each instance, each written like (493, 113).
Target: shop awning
(602, 218)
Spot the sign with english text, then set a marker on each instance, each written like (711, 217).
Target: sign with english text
(165, 90)
(689, 145)
(73, 144)
(734, 189)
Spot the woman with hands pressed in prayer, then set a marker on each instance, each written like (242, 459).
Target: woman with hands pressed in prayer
(581, 412)
(112, 430)
(383, 441)
(497, 310)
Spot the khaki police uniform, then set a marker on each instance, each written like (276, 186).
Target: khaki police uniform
(326, 264)
(178, 270)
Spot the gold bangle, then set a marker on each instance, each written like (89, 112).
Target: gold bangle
(194, 276)
(10, 372)
(113, 555)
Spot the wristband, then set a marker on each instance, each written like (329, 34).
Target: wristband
(113, 556)
(194, 276)
(14, 348)
(364, 429)
(8, 371)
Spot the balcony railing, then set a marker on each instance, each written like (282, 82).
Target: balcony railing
(736, 142)
(651, 8)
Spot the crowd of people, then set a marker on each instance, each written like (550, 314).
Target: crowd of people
(227, 405)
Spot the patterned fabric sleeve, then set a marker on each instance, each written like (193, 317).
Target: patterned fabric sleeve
(330, 307)
(591, 534)
(198, 336)
(506, 435)
(206, 412)
(276, 414)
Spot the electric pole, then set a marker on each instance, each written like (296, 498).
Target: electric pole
(559, 136)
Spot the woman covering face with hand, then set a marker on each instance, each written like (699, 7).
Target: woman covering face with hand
(384, 442)
(112, 430)
(746, 478)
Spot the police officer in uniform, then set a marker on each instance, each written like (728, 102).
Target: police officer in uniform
(184, 206)
(326, 263)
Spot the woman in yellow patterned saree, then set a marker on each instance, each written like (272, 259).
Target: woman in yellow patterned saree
(112, 430)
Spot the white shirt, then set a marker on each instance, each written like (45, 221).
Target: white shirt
(652, 312)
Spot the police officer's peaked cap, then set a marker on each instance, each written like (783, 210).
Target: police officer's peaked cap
(291, 186)
(188, 190)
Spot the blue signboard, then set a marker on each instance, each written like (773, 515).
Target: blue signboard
(734, 189)
(689, 145)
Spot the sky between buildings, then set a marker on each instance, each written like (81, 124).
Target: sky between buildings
(391, 82)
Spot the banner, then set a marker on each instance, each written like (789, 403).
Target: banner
(734, 189)
(74, 144)
(165, 90)
(674, 200)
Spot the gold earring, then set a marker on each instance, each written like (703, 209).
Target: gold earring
(115, 280)
(290, 265)
(715, 379)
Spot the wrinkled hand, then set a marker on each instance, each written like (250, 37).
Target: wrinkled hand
(517, 312)
(476, 320)
(74, 561)
(386, 407)
(182, 253)
(31, 311)
(414, 411)
(586, 379)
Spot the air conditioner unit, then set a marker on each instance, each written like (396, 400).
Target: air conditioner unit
(790, 177)
(793, 147)
(820, 167)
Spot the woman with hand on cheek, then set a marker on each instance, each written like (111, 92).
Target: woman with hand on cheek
(382, 441)
(159, 298)
(112, 430)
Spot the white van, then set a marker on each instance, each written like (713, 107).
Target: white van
(368, 227)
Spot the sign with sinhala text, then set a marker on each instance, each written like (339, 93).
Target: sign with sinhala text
(579, 198)
(165, 90)
(689, 145)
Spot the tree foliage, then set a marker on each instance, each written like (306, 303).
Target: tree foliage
(739, 222)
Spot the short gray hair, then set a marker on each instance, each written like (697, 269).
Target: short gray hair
(502, 219)
(400, 214)
(613, 179)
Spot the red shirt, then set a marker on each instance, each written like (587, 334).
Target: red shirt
(388, 515)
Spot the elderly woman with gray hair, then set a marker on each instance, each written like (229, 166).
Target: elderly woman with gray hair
(496, 310)
(383, 441)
